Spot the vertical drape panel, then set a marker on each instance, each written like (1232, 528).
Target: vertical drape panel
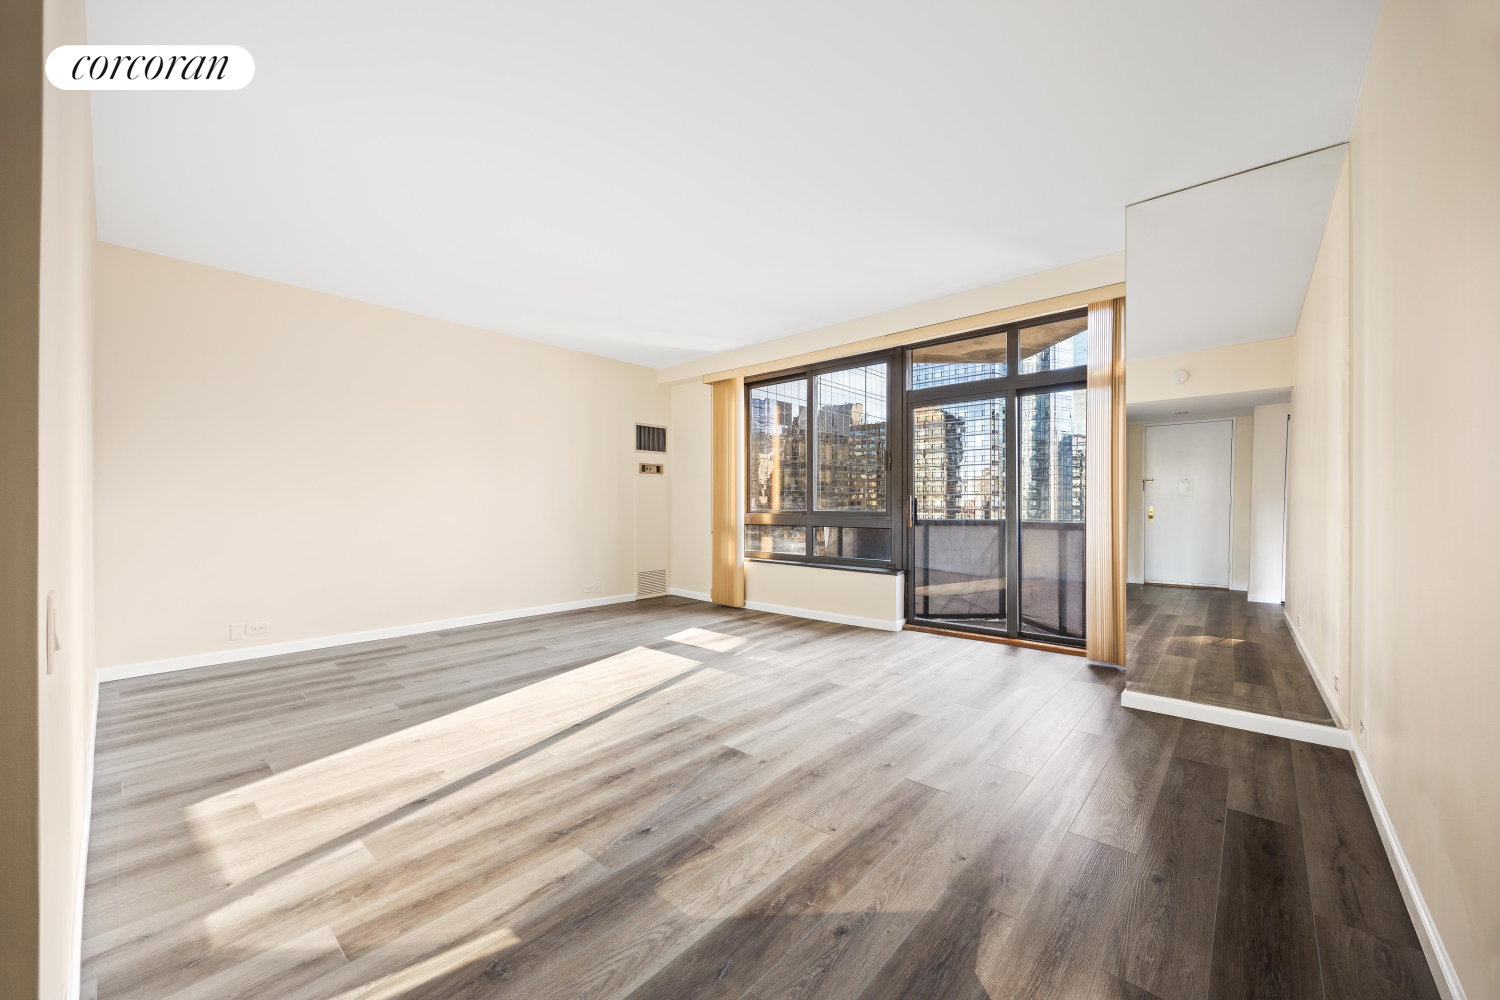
(728, 555)
(1105, 484)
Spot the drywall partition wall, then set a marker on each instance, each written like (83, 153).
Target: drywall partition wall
(1425, 347)
(1257, 367)
(850, 597)
(1317, 572)
(270, 454)
(1134, 525)
(1102, 276)
(1268, 503)
(690, 465)
(47, 683)
(1244, 478)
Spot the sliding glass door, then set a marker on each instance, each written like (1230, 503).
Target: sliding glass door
(996, 451)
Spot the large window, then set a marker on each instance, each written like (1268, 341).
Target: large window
(819, 465)
(959, 461)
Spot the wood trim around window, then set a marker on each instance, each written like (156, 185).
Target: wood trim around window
(728, 555)
(1105, 502)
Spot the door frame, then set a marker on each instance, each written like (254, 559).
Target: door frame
(1229, 556)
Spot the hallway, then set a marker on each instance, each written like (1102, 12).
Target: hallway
(1216, 648)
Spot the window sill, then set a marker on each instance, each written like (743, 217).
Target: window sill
(842, 567)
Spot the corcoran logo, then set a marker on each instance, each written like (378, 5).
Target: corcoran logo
(149, 67)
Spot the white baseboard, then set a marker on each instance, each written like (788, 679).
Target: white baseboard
(1330, 698)
(696, 595)
(829, 616)
(1262, 598)
(1432, 943)
(219, 656)
(1241, 587)
(1234, 718)
(1135, 579)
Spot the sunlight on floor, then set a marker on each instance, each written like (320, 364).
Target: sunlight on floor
(256, 828)
(704, 639)
(414, 975)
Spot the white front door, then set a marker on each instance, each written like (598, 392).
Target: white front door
(1189, 472)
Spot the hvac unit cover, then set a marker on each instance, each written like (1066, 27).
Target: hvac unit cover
(651, 583)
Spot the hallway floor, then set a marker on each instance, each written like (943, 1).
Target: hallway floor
(670, 800)
(1216, 648)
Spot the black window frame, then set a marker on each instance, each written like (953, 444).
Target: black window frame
(891, 518)
(1013, 385)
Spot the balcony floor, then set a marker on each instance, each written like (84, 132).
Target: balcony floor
(1216, 648)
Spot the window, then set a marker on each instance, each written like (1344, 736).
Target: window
(778, 446)
(960, 462)
(971, 360)
(819, 469)
(1050, 347)
(852, 439)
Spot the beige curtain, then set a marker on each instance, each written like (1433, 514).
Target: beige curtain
(1105, 487)
(728, 551)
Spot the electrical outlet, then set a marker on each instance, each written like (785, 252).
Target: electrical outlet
(257, 628)
(591, 588)
(1364, 737)
(1335, 682)
(1299, 621)
(236, 631)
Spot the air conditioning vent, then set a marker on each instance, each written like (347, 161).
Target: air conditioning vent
(651, 583)
(648, 438)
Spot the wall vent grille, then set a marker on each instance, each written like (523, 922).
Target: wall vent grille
(651, 583)
(648, 438)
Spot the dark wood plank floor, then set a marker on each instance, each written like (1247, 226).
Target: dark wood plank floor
(669, 799)
(1216, 648)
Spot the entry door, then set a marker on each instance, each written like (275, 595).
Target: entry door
(1188, 470)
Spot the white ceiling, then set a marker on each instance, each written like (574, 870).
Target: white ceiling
(1227, 262)
(657, 181)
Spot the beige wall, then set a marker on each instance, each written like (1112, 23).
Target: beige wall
(268, 453)
(690, 441)
(871, 600)
(887, 329)
(1239, 526)
(1268, 503)
(1253, 367)
(47, 228)
(1424, 178)
(1317, 581)
(1135, 435)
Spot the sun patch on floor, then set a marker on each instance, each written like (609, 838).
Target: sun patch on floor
(704, 639)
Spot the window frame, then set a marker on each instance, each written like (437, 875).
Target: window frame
(1013, 386)
(812, 518)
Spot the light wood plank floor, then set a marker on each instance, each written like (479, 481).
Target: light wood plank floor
(669, 799)
(1217, 648)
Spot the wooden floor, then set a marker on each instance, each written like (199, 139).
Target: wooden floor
(670, 799)
(1216, 648)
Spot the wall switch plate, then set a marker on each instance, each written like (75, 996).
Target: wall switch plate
(236, 631)
(591, 588)
(257, 628)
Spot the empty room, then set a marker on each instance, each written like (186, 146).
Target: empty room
(786, 502)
